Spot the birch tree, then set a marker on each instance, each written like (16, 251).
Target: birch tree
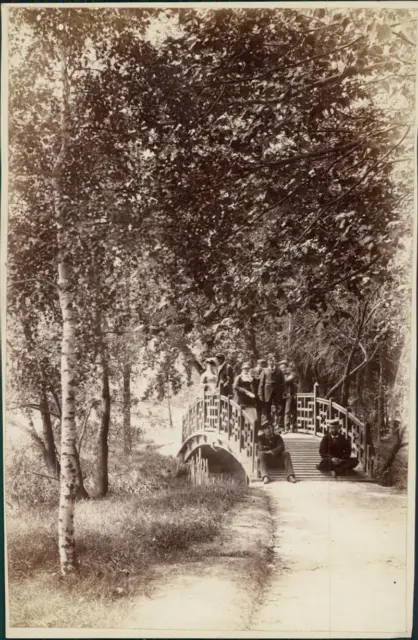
(68, 478)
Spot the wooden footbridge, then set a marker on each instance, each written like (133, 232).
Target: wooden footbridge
(220, 423)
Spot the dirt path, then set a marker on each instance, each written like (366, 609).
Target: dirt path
(339, 560)
(216, 586)
(325, 557)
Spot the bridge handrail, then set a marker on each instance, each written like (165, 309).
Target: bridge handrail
(215, 412)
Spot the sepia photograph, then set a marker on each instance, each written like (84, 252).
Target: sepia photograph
(208, 272)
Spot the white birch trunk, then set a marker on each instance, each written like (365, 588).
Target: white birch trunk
(68, 477)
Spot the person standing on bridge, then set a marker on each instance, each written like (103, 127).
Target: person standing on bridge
(271, 391)
(272, 453)
(245, 392)
(335, 451)
(209, 377)
(290, 396)
(225, 376)
(256, 373)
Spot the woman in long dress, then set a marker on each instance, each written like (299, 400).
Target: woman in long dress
(209, 378)
(245, 392)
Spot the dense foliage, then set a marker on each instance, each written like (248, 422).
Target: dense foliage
(230, 178)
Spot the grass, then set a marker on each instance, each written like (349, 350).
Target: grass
(151, 517)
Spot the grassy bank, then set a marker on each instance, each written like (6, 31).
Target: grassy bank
(151, 517)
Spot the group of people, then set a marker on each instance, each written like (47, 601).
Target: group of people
(334, 450)
(268, 394)
(266, 391)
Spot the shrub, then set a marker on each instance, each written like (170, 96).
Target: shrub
(27, 481)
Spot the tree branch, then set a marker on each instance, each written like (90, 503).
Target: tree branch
(39, 280)
(85, 421)
(352, 373)
(34, 407)
(41, 475)
(348, 72)
(403, 37)
(319, 153)
(213, 105)
(54, 395)
(295, 190)
(285, 67)
(354, 186)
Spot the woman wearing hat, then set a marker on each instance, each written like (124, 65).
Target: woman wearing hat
(245, 392)
(210, 377)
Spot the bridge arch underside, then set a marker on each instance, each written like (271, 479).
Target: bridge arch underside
(221, 457)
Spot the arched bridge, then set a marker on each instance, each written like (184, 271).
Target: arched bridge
(220, 423)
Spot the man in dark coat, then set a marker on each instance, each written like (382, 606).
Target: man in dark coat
(271, 391)
(256, 372)
(335, 451)
(290, 396)
(272, 453)
(225, 376)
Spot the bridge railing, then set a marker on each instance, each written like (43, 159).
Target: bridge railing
(213, 412)
(216, 413)
(312, 414)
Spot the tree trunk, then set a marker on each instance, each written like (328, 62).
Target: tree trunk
(127, 372)
(252, 340)
(68, 477)
(306, 379)
(397, 446)
(359, 389)
(380, 400)
(127, 436)
(345, 392)
(289, 332)
(102, 479)
(49, 453)
(170, 416)
(81, 493)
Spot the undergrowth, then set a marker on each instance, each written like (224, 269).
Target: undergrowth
(152, 516)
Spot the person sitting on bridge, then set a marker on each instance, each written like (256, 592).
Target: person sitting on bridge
(225, 376)
(209, 377)
(271, 452)
(335, 451)
(271, 390)
(245, 392)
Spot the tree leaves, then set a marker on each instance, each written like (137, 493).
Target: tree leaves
(241, 167)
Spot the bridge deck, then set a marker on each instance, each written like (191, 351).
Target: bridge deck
(304, 450)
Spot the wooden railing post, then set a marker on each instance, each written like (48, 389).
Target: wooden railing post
(219, 411)
(240, 429)
(315, 407)
(204, 408)
(228, 414)
(254, 438)
(346, 422)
